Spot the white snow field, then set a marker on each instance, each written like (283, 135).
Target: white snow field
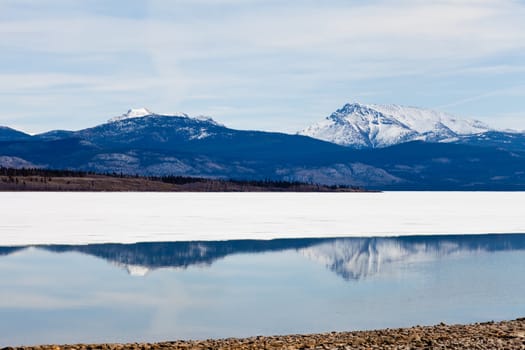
(79, 218)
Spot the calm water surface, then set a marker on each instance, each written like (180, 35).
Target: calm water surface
(163, 291)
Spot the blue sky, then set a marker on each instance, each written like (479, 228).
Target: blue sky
(250, 64)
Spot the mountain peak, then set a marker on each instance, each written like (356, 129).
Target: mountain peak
(352, 107)
(10, 134)
(355, 110)
(145, 112)
(133, 113)
(369, 126)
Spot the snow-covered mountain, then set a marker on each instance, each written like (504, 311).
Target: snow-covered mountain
(133, 113)
(145, 112)
(147, 143)
(375, 126)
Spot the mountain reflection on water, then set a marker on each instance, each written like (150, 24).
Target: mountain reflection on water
(350, 258)
(10, 250)
(356, 258)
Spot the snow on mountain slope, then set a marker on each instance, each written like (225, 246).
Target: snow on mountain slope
(15, 162)
(143, 127)
(373, 126)
(426, 120)
(132, 113)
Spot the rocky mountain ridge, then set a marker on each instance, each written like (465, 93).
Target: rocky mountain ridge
(374, 126)
(454, 155)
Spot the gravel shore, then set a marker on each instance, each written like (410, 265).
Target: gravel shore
(488, 335)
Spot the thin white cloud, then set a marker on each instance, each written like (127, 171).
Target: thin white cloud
(413, 29)
(261, 50)
(518, 90)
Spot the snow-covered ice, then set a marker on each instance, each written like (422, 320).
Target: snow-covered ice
(79, 218)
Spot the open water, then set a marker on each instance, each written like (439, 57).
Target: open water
(202, 289)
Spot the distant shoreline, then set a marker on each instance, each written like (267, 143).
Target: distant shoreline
(43, 180)
(488, 335)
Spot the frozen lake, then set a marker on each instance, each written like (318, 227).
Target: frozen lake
(81, 218)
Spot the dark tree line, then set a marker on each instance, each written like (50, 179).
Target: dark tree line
(13, 173)
(23, 172)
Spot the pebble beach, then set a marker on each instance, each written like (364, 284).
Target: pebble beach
(489, 335)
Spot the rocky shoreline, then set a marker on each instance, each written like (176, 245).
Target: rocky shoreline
(489, 335)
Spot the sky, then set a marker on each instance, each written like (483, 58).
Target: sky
(258, 64)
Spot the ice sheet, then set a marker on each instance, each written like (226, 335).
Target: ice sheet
(80, 218)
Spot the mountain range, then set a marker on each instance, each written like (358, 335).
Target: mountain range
(372, 146)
